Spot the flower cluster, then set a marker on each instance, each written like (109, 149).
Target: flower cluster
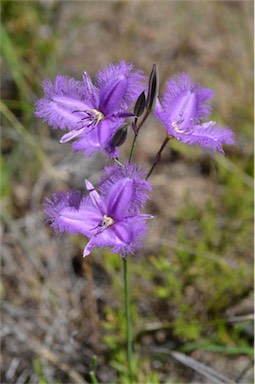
(97, 116)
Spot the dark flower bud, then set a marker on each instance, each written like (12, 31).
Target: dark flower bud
(140, 105)
(153, 88)
(120, 136)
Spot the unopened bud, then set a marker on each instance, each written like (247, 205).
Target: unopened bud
(120, 136)
(140, 105)
(153, 88)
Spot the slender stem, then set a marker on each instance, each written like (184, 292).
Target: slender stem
(144, 119)
(137, 129)
(133, 148)
(92, 373)
(128, 318)
(158, 156)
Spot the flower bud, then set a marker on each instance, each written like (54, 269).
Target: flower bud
(120, 136)
(140, 105)
(153, 88)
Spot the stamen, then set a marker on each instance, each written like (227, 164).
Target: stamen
(92, 118)
(185, 130)
(106, 222)
(175, 125)
(98, 116)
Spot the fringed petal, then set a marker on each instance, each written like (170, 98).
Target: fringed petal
(209, 135)
(178, 91)
(141, 187)
(62, 102)
(132, 82)
(66, 212)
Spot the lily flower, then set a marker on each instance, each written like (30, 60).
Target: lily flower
(181, 110)
(110, 219)
(91, 113)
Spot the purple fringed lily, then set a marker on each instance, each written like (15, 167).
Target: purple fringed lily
(110, 219)
(182, 108)
(91, 112)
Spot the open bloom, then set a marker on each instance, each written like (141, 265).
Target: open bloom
(183, 107)
(92, 113)
(110, 219)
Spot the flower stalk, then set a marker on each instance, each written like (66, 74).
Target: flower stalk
(128, 317)
(158, 156)
(136, 129)
(92, 373)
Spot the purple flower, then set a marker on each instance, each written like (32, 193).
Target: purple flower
(110, 219)
(182, 108)
(92, 113)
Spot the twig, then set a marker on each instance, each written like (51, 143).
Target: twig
(203, 369)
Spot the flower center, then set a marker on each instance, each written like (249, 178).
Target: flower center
(94, 116)
(106, 222)
(91, 119)
(175, 125)
(179, 126)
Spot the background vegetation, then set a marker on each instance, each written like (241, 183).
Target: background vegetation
(191, 285)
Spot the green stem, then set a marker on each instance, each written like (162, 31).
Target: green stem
(128, 318)
(137, 129)
(92, 373)
(144, 119)
(93, 377)
(132, 148)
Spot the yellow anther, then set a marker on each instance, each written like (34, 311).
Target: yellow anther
(176, 127)
(106, 222)
(97, 115)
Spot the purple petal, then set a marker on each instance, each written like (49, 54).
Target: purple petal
(62, 100)
(209, 135)
(119, 198)
(112, 94)
(91, 90)
(71, 135)
(72, 213)
(183, 94)
(112, 174)
(89, 247)
(95, 198)
(130, 87)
